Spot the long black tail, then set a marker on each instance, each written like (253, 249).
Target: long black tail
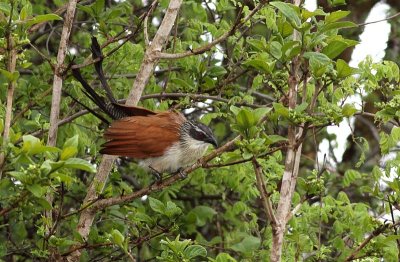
(111, 108)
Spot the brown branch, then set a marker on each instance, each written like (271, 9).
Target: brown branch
(266, 201)
(103, 203)
(58, 73)
(292, 161)
(216, 41)
(378, 21)
(145, 72)
(135, 243)
(374, 234)
(30, 104)
(56, 96)
(11, 64)
(4, 211)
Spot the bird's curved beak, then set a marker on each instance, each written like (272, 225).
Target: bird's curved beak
(211, 140)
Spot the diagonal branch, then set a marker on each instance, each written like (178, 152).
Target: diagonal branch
(145, 72)
(103, 203)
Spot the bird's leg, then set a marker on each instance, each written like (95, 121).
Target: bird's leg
(156, 174)
(182, 173)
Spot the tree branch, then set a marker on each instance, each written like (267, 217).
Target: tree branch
(266, 202)
(145, 72)
(218, 40)
(11, 64)
(103, 203)
(56, 94)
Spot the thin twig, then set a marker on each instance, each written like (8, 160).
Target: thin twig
(103, 203)
(216, 41)
(266, 201)
(382, 20)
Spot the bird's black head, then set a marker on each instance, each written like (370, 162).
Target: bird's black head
(202, 132)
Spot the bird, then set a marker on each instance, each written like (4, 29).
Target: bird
(160, 141)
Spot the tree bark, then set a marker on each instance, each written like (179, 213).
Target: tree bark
(56, 100)
(145, 72)
(11, 64)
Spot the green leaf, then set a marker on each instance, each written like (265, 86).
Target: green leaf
(395, 134)
(307, 14)
(335, 26)
(32, 146)
(70, 148)
(172, 209)
(195, 251)
(334, 16)
(343, 69)
(271, 139)
(318, 62)
(98, 6)
(260, 62)
(5, 7)
(261, 112)
(281, 109)
(350, 176)
(37, 190)
(203, 214)
(68, 152)
(117, 238)
(224, 257)
(3, 249)
(182, 83)
(335, 48)
(319, 57)
(11, 77)
(247, 245)
(348, 110)
(26, 11)
(289, 11)
(43, 18)
(78, 163)
(216, 71)
(157, 205)
(72, 142)
(245, 119)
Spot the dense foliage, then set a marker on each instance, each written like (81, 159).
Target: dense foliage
(275, 79)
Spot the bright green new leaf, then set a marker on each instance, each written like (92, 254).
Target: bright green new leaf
(335, 16)
(117, 238)
(289, 11)
(78, 163)
(343, 69)
(42, 18)
(70, 148)
(348, 110)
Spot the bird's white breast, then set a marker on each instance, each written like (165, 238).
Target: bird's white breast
(180, 154)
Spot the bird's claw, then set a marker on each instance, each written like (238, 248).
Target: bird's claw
(182, 174)
(157, 175)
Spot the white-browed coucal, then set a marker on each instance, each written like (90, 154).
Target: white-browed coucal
(160, 141)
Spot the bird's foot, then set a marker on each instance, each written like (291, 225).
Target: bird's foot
(157, 175)
(181, 172)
